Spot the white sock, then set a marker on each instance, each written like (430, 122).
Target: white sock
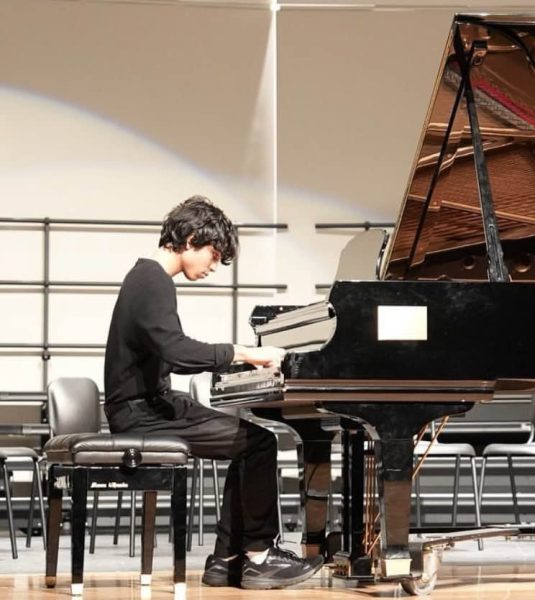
(229, 557)
(258, 557)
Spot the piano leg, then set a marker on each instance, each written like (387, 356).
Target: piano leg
(314, 455)
(352, 561)
(394, 459)
(392, 427)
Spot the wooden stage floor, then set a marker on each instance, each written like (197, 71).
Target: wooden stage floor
(455, 582)
(504, 570)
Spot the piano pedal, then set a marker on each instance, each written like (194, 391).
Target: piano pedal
(356, 569)
(332, 545)
(290, 525)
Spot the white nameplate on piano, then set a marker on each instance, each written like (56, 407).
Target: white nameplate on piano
(401, 323)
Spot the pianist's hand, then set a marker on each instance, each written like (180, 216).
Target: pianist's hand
(262, 356)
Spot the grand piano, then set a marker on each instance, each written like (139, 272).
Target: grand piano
(447, 323)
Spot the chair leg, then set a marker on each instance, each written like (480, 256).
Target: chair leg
(93, 534)
(300, 460)
(456, 489)
(37, 472)
(217, 496)
(117, 518)
(29, 526)
(482, 483)
(179, 510)
(55, 496)
(513, 488)
(279, 507)
(78, 518)
(192, 496)
(201, 502)
(417, 492)
(36, 488)
(147, 536)
(476, 499)
(9, 508)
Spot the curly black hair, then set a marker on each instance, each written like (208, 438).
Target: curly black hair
(207, 223)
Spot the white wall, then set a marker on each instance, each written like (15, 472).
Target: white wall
(119, 110)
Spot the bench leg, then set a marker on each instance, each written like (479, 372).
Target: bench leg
(79, 515)
(132, 527)
(147, 536)
(93, 534)
(193, 494)
(55, 496)
(178, 508)
(117, 518)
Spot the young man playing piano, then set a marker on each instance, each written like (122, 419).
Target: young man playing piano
(146, 343)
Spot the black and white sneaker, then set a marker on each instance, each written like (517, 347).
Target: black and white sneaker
(280, 569)
(222, 573)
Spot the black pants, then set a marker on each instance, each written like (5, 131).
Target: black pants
(249, 519)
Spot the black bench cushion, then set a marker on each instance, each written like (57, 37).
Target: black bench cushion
(100, 448)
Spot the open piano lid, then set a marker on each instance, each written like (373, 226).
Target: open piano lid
(442, 231)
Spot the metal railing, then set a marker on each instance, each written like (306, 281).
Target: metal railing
(46, 348)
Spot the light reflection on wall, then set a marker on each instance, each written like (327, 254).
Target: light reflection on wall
(60, 160)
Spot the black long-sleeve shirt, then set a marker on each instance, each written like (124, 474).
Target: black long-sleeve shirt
(146, 341)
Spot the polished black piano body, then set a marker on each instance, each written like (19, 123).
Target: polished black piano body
(395, 387)
(459, 267)
(477, 331)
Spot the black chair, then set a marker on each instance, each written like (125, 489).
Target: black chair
(22, 458)
(81, 459)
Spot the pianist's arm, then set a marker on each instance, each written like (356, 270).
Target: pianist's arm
(264, 356)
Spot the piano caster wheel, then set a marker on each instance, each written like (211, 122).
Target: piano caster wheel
(425, 583)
